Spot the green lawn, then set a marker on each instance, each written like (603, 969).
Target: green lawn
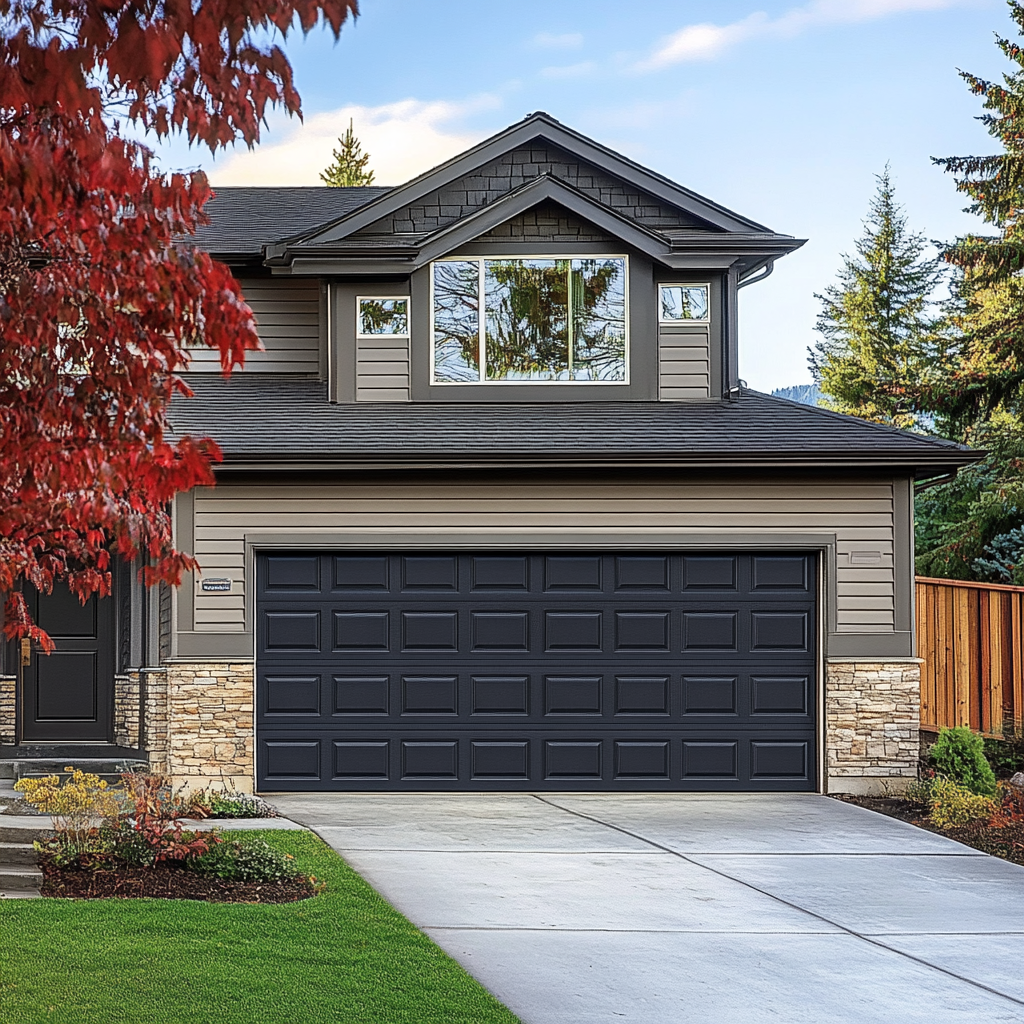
(345, 955)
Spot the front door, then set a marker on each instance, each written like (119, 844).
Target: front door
(68, 696)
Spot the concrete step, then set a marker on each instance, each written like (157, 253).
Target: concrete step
(17, 853)
(21, 835)
(19, 877)
(106, 768)
(20, 894)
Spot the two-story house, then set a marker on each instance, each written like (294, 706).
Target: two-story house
(496, 511)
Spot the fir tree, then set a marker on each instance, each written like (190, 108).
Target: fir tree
(878, 332)
(349, 166)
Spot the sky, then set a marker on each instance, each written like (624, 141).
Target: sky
(784, 112)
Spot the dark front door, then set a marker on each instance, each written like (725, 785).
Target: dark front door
(536, 671)
(68, 696)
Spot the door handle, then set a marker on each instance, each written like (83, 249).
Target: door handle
(26, 652)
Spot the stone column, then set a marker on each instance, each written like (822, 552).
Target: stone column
(872, 724)
(8, 705)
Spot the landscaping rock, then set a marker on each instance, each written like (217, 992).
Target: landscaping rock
(1017, 781)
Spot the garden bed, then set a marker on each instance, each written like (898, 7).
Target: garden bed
(1006, 842)
(167, 881)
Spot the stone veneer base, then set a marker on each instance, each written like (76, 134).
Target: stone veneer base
(872, 724)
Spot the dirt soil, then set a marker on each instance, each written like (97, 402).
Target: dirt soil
(168, 882)
(1006, 842)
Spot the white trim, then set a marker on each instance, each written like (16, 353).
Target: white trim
(482, 356)
(384, 298)
(706, 285)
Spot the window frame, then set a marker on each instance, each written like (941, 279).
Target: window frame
(706, 285)
(407, 299)
(482, 320)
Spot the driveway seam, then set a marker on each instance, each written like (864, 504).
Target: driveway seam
(821, 917)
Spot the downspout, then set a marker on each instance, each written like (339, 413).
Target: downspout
(766, 271)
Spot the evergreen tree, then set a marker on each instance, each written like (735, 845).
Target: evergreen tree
(349, 166)
(878, 331)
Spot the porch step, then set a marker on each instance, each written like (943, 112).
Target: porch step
(17, 853)
(108, 769)
(65, 753)
(20, 878)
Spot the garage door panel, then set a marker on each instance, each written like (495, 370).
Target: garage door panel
(498, 670)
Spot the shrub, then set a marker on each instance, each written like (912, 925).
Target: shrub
(920, 790)
(959, 755)
(239, 805)
(1006, 756)
(254, 860)
(953, 805)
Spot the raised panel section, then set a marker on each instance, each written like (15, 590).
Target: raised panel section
(572, 572)
(779, 572)
(292, 631)
(572, 631)
(779, 695)
(430, 631)
(710, 759)
(779, 631)
(361, 573)
(361, 759)
(293, 695)
(429, 572)
(572, 759)
(709, 572)
(778, 760)
(430, 759)
(292, 759)
(500, 759)
(430, 695)
(61, 614)
(709, 631)
(641, 572)
(572, 695)
(66, 687)
(641, 631)
(293, 572)
(709, 695)
(641, 695)
(361, 631)
(500, 631)
(500, 572)
(642, 759)
(500, 695)
(361, 695)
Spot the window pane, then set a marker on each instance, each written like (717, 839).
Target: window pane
(684, 302)
(457, 321)
(598, 291)
(527, 319)
(383, 316)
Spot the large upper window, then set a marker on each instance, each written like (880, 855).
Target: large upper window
(529, 320)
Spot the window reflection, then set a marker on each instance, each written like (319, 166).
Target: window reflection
(681, 302)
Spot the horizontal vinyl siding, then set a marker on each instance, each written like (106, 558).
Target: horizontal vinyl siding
(684, 365)
(382, 369)
(860, 514)
(288, 322)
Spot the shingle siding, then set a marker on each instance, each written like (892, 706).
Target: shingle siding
(548, 222)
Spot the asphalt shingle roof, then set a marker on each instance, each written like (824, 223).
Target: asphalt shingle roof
(258, 416)
(244, 219)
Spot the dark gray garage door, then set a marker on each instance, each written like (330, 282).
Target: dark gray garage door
(497, 671)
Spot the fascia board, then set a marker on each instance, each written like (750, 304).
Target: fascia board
(532, 128)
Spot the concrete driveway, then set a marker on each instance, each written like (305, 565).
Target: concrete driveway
(663, 909)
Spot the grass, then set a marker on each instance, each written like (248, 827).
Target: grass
(344, 956)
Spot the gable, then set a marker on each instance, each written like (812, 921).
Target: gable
(515, 168)
(547, 221)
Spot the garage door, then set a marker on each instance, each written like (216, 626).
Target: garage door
(543, 671)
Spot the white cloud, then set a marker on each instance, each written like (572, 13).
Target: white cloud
(403, 139)
(550, 41)
(707, 41)
(580, 70)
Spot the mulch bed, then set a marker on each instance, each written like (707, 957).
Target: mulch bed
(167, 882)
(1006, 842)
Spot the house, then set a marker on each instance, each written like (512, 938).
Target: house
(497, 512)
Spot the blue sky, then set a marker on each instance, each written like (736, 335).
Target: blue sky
(782, 111)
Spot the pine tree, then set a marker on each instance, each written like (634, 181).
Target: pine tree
(349, 166)
(878, 331)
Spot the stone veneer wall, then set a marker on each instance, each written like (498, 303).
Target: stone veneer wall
(200, 724)
(8, 697)
(126, 709)
(872, 722)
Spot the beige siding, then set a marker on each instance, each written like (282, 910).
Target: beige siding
(684, 365)
(288, 321)
(861, 515)
(382, 369)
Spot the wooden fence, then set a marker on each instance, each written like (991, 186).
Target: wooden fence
(971, 637)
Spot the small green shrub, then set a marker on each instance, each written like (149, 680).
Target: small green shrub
(953, 806)
(919, 791)
(239, 805)
(254, 860)
(959, 755)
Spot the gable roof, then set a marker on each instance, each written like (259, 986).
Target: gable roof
(263, 417)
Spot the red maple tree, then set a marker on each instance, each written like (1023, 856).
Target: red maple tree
(100, 299)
